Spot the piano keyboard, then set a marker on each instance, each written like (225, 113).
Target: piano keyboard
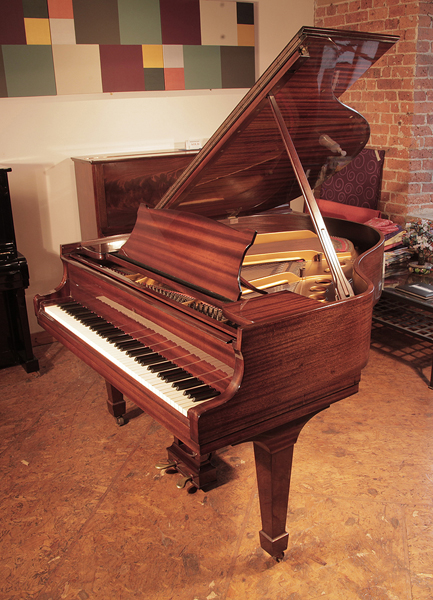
(162, 377)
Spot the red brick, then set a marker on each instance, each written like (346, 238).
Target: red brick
(428, 141)
(334, 22)
(423, 153)
(418, 176)
(392, 24)
(393, 59)
(418, 198)
(396, 209)
(425, 8)
(400, 71)
(361, 16)
(403, 95)
(407, 47)
(354, 6)
(387, 84)
(378, 14)
(425, 59)
(423, 84)
(410, 34)
(423, 107)
(396, 164)
(409, 59)
(419, 120)
(416, 165)
(386, 117)
(422, 47)
(420, 96)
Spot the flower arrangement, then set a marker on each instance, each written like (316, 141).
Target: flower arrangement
(418, 237)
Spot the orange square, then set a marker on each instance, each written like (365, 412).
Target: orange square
(246, 35)
(174, 79)
(60, 9)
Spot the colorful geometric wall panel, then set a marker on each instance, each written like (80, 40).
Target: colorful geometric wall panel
(50, 47)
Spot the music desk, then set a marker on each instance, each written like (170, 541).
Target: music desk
(405, 312)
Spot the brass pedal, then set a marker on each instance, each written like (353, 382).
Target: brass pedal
(164, 465)
(183, 481)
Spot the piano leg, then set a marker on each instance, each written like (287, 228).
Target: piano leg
(195, 468)
(273, 453)
(116, 403)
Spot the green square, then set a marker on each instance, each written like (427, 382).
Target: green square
(35, 9)
(29, 70)
(202, 66)
(139, 22)
(154, 80)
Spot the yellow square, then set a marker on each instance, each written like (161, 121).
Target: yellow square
(245, 35)
(153, 57)
(37, 32)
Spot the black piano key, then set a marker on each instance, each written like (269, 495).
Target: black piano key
(78, 310)
(174, 375)
(90, 320)
(188, 383)
(131, 344)
(99, 328)
(97, 320)
(205, 395)
(143, 351)
(196, 392)
(113, 335)
(150, 359)
(163, 366)
(122, 338)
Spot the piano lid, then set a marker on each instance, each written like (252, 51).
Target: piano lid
(244, 168)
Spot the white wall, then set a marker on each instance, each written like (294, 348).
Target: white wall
(38, 137)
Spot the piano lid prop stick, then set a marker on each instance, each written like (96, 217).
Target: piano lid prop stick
(343, 289)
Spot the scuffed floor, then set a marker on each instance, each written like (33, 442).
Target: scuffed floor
(85, 514)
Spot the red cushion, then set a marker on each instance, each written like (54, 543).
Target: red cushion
(346, 211)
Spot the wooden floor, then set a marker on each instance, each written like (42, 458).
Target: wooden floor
(85, 514)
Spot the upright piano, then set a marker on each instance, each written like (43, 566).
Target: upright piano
(15, 342)
(223, 317)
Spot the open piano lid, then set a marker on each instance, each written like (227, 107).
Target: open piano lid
(286, 135)
(244, 168)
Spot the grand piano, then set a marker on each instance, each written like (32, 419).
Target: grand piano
(226, 318)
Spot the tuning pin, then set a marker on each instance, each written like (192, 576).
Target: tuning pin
(165, 464)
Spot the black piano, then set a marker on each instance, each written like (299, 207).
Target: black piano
(223, 317)
(15, 341)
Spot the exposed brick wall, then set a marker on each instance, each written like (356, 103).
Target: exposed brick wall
(395, 95)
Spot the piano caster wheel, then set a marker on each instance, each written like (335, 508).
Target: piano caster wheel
(279, 558)
(120, 421)
(183, 481)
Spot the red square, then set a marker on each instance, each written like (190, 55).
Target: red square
(180, 22)
(60, 9)
(174, 79)
(122, 68)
